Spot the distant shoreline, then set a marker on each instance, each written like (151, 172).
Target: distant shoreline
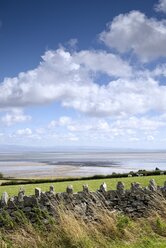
(70, 164)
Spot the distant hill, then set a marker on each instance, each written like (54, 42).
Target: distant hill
(22, 148)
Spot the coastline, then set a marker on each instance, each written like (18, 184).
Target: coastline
(65, 164)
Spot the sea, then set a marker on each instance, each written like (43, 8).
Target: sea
(44, 164)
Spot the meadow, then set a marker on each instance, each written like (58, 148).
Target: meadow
(77, 185)
(111, 230)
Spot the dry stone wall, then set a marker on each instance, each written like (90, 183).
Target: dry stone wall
(136, 202)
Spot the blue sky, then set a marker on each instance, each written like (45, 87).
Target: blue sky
(83, 73)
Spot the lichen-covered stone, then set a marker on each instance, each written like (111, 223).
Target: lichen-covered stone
(152, 185)
(30, 201)
(120, 187)
(135, 202)
(135, 186)
(21, 194)
(69, 189)
(85, 188)
(37, 192)
(27, 209)
(11, 203)
(4, 198)
(103, 187)
(51, 189)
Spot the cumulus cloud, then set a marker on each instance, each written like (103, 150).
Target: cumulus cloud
(161, 6)
(133, 31)
(14, 116)
(68, 78)
(116, 99)
(24, 132)
(75, 79)
(73, 43)
(62, 77)
(142, 123)
(62, 121)
(70, 137)
(101, 61)
(128, 127)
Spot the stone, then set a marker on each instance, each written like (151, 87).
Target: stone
(37, 192)
(135, 186)
(136, 201)
(120, 187)
(69, 189)
(152, 185)
(11, 203)
(27, 209)
(4, 198)
(51, 189)
(85, 188)
(22, 190)
(21, 194)
(42, 207)
(30, 201)
(103, 187)
(80, 209)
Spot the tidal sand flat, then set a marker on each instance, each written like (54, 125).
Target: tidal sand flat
(64, 164)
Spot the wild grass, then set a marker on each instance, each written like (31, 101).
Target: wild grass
(93, 184)
(110, 230)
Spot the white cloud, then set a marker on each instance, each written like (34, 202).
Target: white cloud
(101, 61)
(110, 128)
(61, 137)
(24, 132)
(142, 123)
(146, 37)
(70, 77)
(135, 139)
(161, 6)
(96, 131)
(14, 116)
(117, 101)
(160, 70)
(150, 138)
(40, 131)
(71, 137)
(120, 97)
(62, 77)
(62, 121)
(67, 78)
(73, 43)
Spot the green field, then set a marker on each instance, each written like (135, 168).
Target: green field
(93, 184)
(111, 230)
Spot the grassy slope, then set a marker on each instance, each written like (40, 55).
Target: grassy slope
(93, 184)
(110, 231)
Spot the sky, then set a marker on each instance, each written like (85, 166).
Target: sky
(83, 73)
